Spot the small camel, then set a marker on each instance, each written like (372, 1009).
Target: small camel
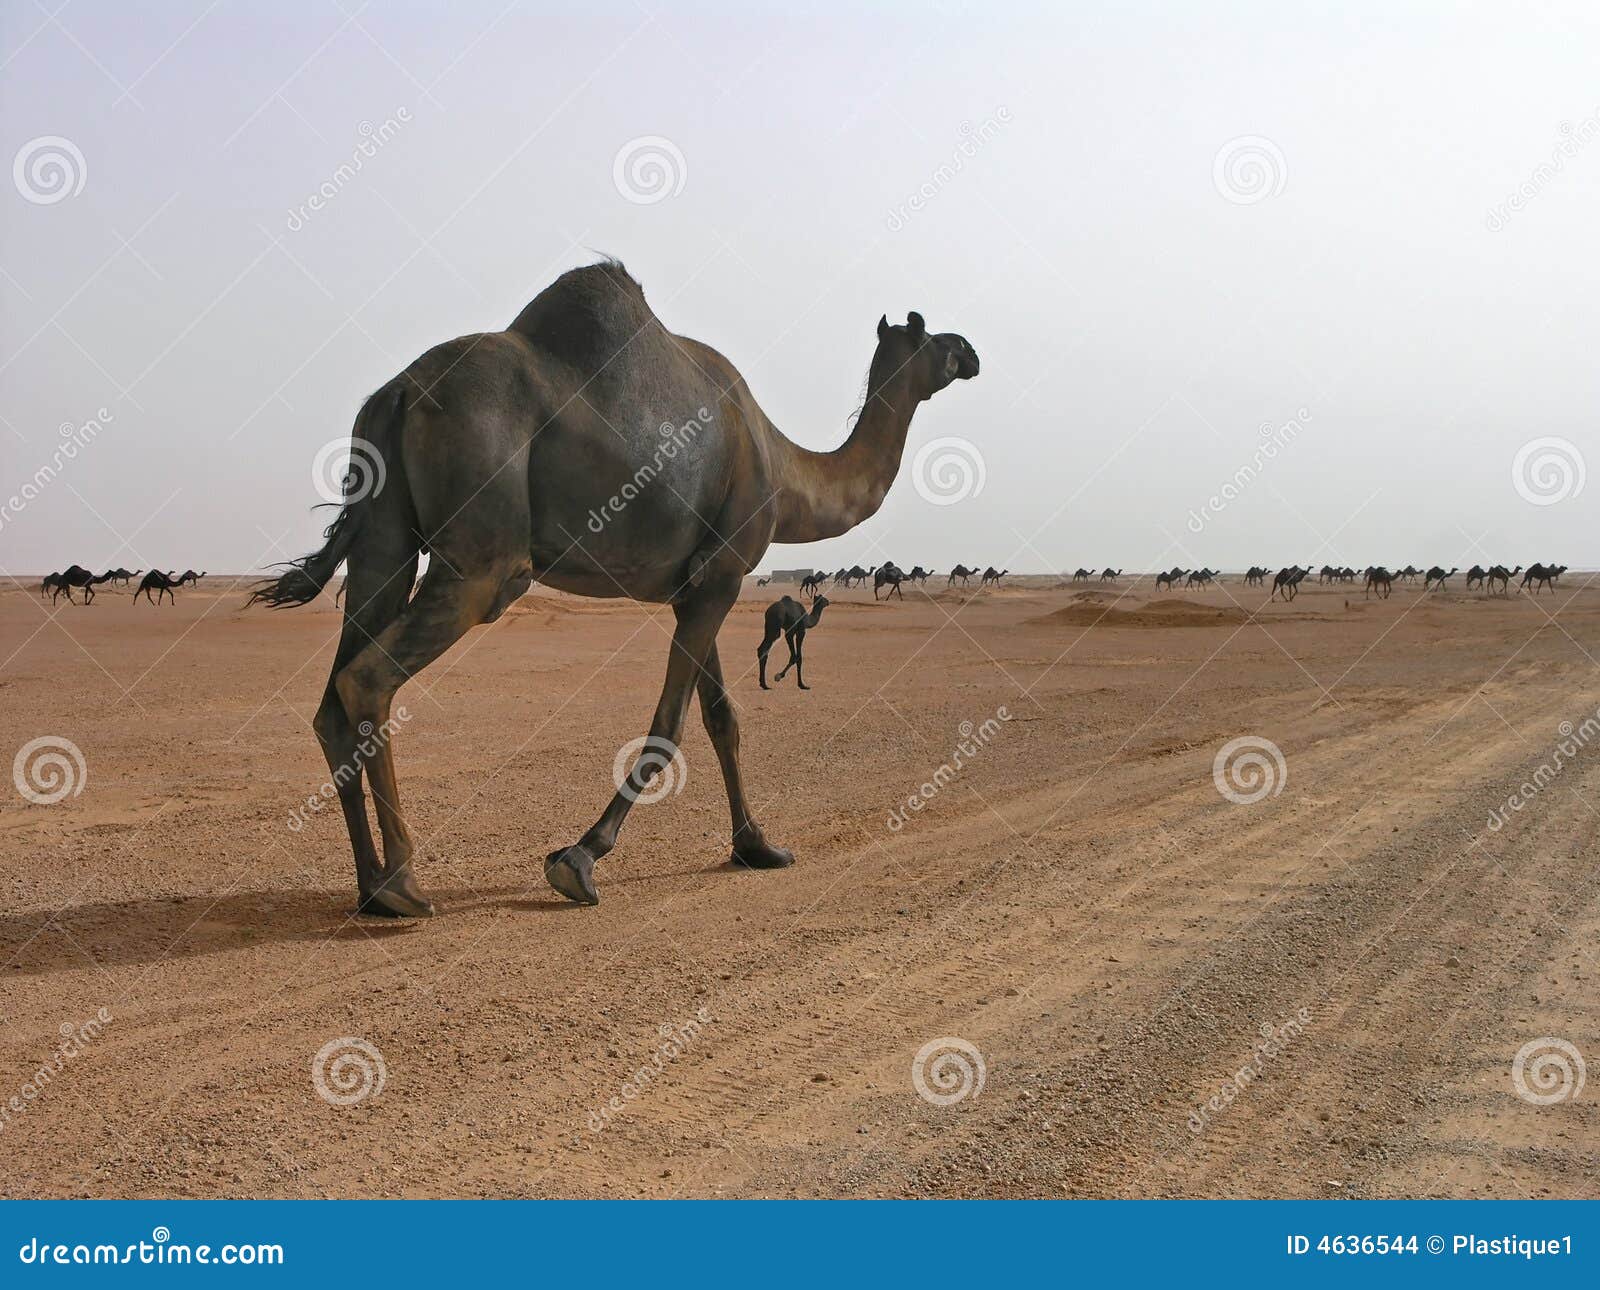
(888, 575)
(160, 583)
(1110, 575)
(1437, 575)
(811, 584)
(788, 618)
(1499, 573)
(1288, 582)
(992, 575)
(960, 571)
(1380, 580)
(497, 448)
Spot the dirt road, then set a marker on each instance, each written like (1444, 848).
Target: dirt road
(1162, 990)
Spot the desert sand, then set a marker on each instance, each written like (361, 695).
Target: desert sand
(1078, 904)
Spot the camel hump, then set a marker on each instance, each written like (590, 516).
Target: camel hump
(586, 315)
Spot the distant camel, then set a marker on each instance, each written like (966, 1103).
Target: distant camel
(991, 574)
(1110, 575)
(888, 575)
(1475, 575)
(75, 575)
(1499, 573)
(1542, 575)
(123, 576)
(1168, 577)
(1083, 575)
(1439, 576)
(855, 574)
(1255, 575)
(189, 575)
(1200, 577)
(788, 618)
(1408, 574)
(1380, 580)
(1288, 582)
(960, 571)
(812, 583)
(158, 582)
(762, 582)
(919, 575)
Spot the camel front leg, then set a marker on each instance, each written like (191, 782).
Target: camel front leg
(571, 869)
(750, 846)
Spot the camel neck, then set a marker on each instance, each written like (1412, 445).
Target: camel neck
(825, 494)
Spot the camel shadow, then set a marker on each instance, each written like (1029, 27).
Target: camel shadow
(131, 933)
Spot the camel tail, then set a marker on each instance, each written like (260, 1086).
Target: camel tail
(302, 580)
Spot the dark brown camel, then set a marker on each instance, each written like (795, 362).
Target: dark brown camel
(75, 575)
(788, 618)
(1082, 575)
(500, 449)
(811, 584)
(1110, 575)
(1436, 577)
(160, 583)
(1499, 573)
(919, 575)
(991, 574)
(888, 575)
(960, 571)
(1287, 582)
(1380, 580)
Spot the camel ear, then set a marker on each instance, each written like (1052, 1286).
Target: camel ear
(916, 326)
(883, 326)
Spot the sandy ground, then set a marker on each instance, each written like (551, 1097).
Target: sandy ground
(1078, 903)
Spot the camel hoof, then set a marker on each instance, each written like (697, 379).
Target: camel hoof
(762, 855)
(571, 872)
(398, 897)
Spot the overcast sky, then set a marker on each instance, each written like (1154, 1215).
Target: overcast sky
(1163, 231)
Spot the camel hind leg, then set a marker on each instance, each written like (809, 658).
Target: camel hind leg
(444, 609)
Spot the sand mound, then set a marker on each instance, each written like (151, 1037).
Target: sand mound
(1158, 613)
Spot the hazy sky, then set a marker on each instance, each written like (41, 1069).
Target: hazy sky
(1162, 229)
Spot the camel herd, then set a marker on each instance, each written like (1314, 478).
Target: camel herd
(891, 575)
(152, 587)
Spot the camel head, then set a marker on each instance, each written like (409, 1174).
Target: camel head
(926, 363)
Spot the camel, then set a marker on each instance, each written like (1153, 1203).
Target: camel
(762, 582)
(1541, 575)
(991, 574)
(1255, 575)
(1475, 575)
(1409, 573)
(160, 583)
(123, 576)
(1288, 582)
(919, 575)
(1499, 573)
(1110, 575)
(1169, 577)
(788, 618)
(1200, 577)
(960, 571)
(888, 575)
(1082, 575)
(1439, 576)
(497, 446)
(1380, 580)
(189, 575)
(75, 575)
(811, 584)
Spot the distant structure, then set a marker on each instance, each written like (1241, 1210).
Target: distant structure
(790, 575)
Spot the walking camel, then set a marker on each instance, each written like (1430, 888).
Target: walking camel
(1110, 575)
(888, 575)
(960, 571)
(1499, 573)
(919, 575)
(788, 618)
(1254, 575)
(1288, 582)
(1541, 575)
(811, 584)
(991, 574)
(1168, 577)
(1082, 575)
(496, 448)
(163, 583)
(1439, 576)
(1380, 580)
